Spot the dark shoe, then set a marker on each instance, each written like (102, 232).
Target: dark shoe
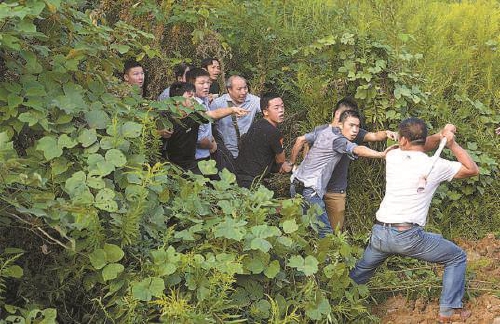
(459, 315)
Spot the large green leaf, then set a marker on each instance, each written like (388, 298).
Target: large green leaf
(48, 145)
(97, 119)
(116, 157)
(272, 269)
(87, 137)
(147, 288)
(113, 252)
(105, 200)
(98, 258)
(111, 271)
(13, 271)
(290, 226)
(230, 229)
(308, 266)
(131, 130)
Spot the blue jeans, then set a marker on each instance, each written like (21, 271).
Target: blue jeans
(419, 244)
(313, 199)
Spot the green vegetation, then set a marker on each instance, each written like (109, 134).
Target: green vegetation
(94, 228)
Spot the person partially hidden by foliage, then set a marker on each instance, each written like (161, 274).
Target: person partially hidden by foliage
(262, 147)
(212, 66)
(398, 229)
(231, 129)
(133, 74)
(180, 71)
(180, 146)
(210, 144)
(335, 195)
(330, 146)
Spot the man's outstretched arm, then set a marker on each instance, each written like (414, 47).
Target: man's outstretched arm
(380, 136)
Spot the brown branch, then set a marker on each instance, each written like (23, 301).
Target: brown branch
(47, 235)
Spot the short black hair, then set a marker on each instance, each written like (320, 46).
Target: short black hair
(129, 64)
(208, 61)
(349, 113)
(191, 75)
(180, 68)
(414, 130)
(348, 102)
(177, 89)
(265, 98)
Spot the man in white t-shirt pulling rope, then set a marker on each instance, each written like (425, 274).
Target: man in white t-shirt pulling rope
(403, 213)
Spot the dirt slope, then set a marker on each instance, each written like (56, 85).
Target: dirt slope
(483, 284)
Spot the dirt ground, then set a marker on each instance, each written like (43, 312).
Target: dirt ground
(483, 284)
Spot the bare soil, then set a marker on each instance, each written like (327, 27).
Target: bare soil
(483, 288)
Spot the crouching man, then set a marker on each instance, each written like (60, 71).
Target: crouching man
(403, 212)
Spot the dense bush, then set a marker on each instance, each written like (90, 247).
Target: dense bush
(94, 228)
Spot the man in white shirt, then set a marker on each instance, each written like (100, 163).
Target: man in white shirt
(403, 213)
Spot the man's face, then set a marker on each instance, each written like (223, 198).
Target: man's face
(202, 86)
(275, 111)
(350, 127)
(188, 102)
(214, 70)
(238, 90)
(135, 76)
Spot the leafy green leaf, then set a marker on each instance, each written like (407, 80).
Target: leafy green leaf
(113, 252)
(111, 271)
(87, 137)
(13, 100)
(48, 145)
(260, 244)
(207, 167)
(97, 119)
(28, 117)
(13, 271)
(290, 226)
(230, 229)
(98, 258)
(147, 288)
(131, 129)
(105, 200)
(308, 266)
(64, 141)
(272, 269)
(116, 157)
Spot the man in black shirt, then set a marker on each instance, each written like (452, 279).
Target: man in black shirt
(262, 146)
(180, 147)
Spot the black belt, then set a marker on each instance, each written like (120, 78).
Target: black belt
(398, 226)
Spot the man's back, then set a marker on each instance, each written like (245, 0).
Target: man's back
(404, 169)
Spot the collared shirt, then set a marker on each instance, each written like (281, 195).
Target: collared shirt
(205, 131)
(338, 180)
(165, 94)
(225, 125)
(328, 148)
(404, 169)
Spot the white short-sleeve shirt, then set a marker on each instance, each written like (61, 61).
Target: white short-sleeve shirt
(402, 203)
